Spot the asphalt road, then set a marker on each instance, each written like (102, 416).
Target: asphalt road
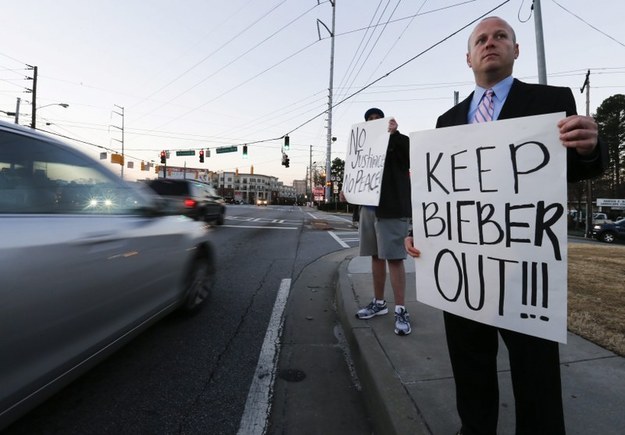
(192, 375)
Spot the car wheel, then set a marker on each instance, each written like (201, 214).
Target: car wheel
(199, 283)
(221, 218)
(607, 237)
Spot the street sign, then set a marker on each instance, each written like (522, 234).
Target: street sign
(229, 149)
(185, 153)
(610, 202)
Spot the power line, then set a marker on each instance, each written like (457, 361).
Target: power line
(388, 52)
(589, 25)
(202, 61)
(404, 64)
(408, 17)
(252, 142)
(229, 63)
(349, 70)
(362, 65)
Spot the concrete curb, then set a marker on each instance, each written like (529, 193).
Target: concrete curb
(390, 406)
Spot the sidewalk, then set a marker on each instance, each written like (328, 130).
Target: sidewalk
(408, 384)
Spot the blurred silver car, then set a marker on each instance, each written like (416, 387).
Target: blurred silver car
(86, 262)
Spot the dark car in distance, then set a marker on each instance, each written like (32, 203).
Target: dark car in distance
(609, 232)
(192, 198)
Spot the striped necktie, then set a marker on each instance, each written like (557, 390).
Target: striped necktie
(486, 108)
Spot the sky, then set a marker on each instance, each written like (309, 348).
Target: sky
(204, 74)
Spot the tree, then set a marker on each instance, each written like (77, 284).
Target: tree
(337, 169)
(610, 117)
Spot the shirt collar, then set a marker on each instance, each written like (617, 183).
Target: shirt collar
(501, 90)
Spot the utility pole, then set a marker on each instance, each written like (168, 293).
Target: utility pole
(540, 43)
(17, 110)
(331, 86)
(586, 86)
(310, 174)
(33, 122)
(122, 141)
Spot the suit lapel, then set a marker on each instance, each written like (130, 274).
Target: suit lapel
(517, 101)
(461, 115)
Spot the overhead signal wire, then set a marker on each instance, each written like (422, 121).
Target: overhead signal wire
(352, 66)
(409, 17)
(212, 53)
(375, 43)
(242, 83)
(589, 25)
(397, 39)
(393, 46)
(431, 47)
(359, 91)
(227, 65)
(364, 87)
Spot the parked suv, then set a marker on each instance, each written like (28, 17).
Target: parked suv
(191, 198)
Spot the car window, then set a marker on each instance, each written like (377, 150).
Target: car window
(37, 176)
(211, 191)
(198, 189)
(169, 187)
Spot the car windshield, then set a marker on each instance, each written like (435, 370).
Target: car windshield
(37, 176)
(169, 187)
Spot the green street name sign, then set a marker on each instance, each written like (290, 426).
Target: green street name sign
(229, 149)
(185, 153)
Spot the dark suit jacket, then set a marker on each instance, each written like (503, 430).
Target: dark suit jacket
(527, 99)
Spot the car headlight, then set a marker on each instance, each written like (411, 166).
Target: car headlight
(596, 227)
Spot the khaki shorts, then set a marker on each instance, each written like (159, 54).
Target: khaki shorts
(383, 238)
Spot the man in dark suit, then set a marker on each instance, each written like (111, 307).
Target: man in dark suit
(534, 362)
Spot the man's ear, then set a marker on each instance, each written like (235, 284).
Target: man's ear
(469, 60)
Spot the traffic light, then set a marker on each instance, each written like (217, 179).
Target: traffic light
(286, 142)
(245, 151)
(163, 157)
(201, 156)
(285, 160)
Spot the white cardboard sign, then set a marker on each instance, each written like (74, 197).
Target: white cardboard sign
(489, 216)
(364, 163)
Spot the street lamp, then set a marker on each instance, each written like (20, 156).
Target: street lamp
(33, 123)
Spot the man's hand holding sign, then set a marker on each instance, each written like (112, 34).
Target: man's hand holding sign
(364, 162)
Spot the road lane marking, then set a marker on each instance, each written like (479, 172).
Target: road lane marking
(338, 239)
(271, 221)
(260, 227)
(329, 217)
(257, 406)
